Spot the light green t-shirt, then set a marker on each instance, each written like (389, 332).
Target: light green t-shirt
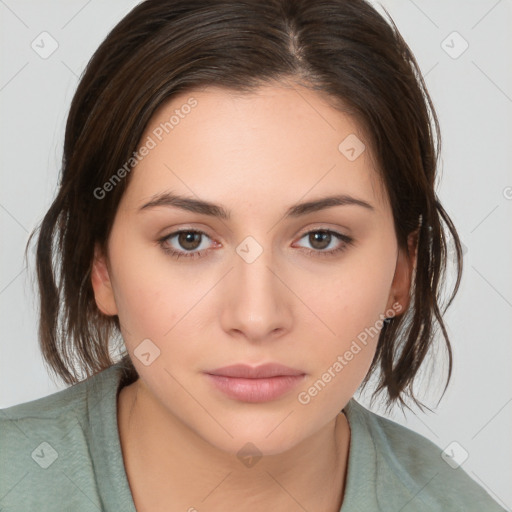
(62, 453)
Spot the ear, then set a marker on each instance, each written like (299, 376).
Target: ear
(101, 283)
(405, 267)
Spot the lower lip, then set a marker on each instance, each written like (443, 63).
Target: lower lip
(255, 390)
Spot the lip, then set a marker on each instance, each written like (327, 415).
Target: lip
(255, 384)
(246, 371)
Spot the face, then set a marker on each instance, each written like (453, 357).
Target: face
(267, 281)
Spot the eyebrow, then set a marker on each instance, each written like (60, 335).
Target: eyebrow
(206, 208)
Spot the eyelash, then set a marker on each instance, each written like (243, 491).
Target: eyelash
(348, 241)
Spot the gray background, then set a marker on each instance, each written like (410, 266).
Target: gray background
(472, 93)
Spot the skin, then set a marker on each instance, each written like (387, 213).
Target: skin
(256, 155)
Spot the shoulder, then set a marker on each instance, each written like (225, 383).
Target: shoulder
(46, 416)
(45, 444)
(52, 411)
(427, 477)
(67, 403)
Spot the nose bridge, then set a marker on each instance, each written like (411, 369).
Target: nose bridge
(256, 305)
(252, 269)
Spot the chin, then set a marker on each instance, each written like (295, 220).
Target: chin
(259, 439)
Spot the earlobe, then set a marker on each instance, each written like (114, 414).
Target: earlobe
(102, 285)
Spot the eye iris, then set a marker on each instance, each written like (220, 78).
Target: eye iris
(187, 237)
(320, 236)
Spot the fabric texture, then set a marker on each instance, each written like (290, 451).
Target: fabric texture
(62, 452)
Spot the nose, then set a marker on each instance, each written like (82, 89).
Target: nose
(257, 304)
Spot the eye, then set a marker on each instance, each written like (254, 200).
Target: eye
(320, 239)
(188, 239)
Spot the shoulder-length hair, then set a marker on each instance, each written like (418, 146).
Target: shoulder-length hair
(342, 48)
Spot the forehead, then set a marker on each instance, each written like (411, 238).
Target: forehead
(278, 142)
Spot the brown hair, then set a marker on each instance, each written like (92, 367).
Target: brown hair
(342, 48)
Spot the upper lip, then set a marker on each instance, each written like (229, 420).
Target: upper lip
(255, 372)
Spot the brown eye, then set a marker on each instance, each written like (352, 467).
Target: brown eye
(189, 240)
(320, 239)
(184, 243)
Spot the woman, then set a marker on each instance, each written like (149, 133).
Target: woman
(247, 205)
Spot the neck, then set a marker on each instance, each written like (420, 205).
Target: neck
(189, 474)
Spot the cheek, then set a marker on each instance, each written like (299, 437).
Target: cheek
(147, 303)
(352, 310)
(351, 304)
(160, 302)
(351, 300)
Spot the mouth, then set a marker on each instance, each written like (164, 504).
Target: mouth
(255, 384)
(263, 371)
